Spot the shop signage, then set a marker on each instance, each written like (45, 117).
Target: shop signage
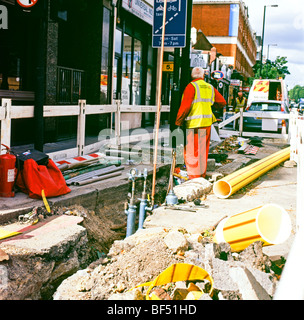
(139, 8)
(27, 3)
(234, 82)
(227, 60)
(198, 60)
(175, 27)
(217, 75)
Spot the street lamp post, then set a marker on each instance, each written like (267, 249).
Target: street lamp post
(271, 44)
(274, 6)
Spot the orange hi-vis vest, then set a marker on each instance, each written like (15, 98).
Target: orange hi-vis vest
(200, 114)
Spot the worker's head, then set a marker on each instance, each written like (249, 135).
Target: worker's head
(197, 72)
(240, 94)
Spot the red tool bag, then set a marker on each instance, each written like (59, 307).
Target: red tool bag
(33, 178)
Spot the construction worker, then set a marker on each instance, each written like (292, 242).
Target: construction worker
(240, 102)
(196, 113)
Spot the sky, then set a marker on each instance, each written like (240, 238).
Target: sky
(284, 26)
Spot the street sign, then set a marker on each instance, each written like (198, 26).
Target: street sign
(168, 66)
(27, 3)
(175, 26)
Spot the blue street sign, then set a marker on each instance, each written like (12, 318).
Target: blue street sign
(175, 27)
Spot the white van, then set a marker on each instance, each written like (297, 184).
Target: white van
(268, 96)
(268, 90)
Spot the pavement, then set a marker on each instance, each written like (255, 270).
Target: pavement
(277, 186)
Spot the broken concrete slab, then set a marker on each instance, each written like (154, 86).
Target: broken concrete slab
(193, 222)
(39, 258)
(248, 286)
(192, 189)
(176, 241)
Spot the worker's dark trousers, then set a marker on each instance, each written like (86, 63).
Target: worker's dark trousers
(196, 151)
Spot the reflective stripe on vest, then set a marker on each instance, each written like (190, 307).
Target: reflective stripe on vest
(201, 114)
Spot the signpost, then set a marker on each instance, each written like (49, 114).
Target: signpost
(175, 25)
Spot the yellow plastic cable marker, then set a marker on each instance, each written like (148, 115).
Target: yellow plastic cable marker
(179, 272)
(45, 201)
(7, 234)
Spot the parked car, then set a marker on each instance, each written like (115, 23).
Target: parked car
(270, 125)
(301, 108)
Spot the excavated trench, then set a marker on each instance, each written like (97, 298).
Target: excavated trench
(106, 221)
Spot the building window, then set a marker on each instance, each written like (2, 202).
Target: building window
(126, 70)
(104, 83)
(137, 73)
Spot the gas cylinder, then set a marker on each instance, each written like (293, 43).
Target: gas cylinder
(7, 173)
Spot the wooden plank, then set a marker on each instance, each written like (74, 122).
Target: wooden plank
(100, 109)
(131, 108)
(20, 112)
(227, 121)
(81, 127)
(2, 113)
(58, 111)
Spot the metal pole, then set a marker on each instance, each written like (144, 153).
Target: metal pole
(175, 95)
(40, 79)
(185, 61)
(263, 36)
(161, 56)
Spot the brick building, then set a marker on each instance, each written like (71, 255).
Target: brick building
(226, 26)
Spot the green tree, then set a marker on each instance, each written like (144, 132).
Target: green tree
(271, 69)
(296, 93)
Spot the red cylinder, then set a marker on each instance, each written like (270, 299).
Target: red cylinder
(7, 175)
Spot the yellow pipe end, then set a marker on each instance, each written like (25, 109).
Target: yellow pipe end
(222, 189)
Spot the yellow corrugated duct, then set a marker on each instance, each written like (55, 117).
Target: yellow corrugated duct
(227, 186)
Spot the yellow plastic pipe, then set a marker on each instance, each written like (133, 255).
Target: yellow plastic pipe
(227, 186)
(269, 223)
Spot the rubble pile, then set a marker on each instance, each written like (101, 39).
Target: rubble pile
(249, 274)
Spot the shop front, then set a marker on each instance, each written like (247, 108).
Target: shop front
(134, 60)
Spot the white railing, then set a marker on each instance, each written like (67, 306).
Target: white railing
(8, 112)
(257, 114)
(291, 285)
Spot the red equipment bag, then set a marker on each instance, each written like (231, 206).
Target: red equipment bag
(33, 178)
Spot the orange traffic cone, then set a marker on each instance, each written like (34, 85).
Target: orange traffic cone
(283, 127)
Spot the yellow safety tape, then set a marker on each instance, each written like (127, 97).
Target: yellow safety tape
(45, 201)
(179, 272)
